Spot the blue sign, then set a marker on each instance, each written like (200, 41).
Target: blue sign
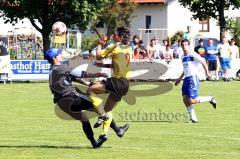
(30, 66)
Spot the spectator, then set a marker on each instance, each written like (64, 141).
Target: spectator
(200, 49)
(234, 56)
(135, 43)
(163, 48)
(189, 35)
(234, 50)
(91, 55)
(211, 55)
(151, 49)
(177, 50)
(225, 53)
(158, 48)
(140, 52)
(168, 54)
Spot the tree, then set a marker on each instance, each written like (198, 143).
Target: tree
(116, 13)
(233, 25)
(211, 9)
(47, 12)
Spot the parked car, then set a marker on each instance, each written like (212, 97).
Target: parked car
(85, 54)
(205, 40)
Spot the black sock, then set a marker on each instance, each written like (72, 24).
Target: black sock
(88, 131)
(114, 126)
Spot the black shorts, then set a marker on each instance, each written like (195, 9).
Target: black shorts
(77, 102)
(117, 87)
(212, 65)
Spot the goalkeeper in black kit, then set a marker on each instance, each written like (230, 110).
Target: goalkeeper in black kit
(71, 100)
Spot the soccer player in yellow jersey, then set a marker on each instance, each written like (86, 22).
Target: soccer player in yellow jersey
(117, 86)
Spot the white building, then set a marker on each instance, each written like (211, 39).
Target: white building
(164, 17)
(171, 17)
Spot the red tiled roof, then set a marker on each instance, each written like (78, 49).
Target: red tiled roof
(149, 1)
(146, 1)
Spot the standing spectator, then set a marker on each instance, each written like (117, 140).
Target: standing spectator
(234, 49)
(151, 49)
(234, 56)
(177, 50)
(200, 49)
(211, 52)
(225, 53)
(168, 54)
(189, 35)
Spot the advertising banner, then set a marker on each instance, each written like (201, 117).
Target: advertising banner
(29, 69)
(4, 56)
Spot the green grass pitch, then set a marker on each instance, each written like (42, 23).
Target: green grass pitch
(30, 129)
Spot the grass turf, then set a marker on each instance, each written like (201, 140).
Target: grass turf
(29, 127)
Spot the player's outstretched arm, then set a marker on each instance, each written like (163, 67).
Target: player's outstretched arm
(100, 44)
(205, 66)
(99, 64)
(82, 81)
(179, 79)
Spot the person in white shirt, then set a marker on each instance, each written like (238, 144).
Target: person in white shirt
(168, 54)
(190, 61)
(234, 50)
(234, 56)
(163, 48)
(158, 49)
(151, 49)
(225, 53)
(189, 35)
(177, 50)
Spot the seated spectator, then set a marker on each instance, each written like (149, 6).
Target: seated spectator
(168, 54)
(135, 43)
(140, 52)
(163, 48)
(177, 50)
(158, 48)
(200, 49)
(151, 49)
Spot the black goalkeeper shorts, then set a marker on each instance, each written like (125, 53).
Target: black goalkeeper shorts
(79, 102)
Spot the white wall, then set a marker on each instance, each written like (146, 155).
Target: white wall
(158, 15)
(179, 18)
(22, 27)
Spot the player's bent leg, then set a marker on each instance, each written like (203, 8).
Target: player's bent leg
(209, 99)
(120, 131)
(65, 105)
(190, 109)
(97, 88)
(88, 129)
(106, 125)
(111, 102)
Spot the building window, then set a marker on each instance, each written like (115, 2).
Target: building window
(100, 24)
(148, 23)
(204, 25)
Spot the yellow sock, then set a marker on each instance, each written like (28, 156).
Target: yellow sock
(106, 124)
(95, 100)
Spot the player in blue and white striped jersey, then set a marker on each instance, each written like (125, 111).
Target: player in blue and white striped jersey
(190, 86)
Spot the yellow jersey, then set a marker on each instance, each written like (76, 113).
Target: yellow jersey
(120, 55)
